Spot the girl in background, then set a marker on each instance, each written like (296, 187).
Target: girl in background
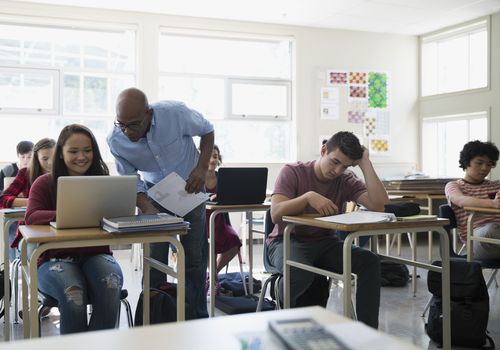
(16, 195)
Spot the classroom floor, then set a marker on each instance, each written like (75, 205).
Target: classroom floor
(399, 311)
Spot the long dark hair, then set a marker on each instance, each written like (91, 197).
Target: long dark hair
(35, 169)
(59, 168)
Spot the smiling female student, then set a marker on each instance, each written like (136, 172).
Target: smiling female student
(16, 194)
(78, 276)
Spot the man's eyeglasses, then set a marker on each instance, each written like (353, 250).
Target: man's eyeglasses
(134, 126)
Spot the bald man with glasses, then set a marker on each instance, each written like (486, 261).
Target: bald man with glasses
(151, 141)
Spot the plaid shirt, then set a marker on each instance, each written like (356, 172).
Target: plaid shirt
(20, 187)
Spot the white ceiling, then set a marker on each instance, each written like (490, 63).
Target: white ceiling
(388, 16)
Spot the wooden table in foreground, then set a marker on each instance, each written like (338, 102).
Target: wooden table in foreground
(214, 333)
(372, 229)
(49, 238)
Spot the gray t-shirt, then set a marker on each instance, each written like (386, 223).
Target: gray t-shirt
(296, 179)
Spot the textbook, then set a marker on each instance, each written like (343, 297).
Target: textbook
(359, 217)
(141, 220)
(154, 228)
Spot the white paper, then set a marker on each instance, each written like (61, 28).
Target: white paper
(330, 103)
(359, 217)
(171, 195)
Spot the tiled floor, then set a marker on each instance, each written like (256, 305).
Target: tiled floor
(399, 312)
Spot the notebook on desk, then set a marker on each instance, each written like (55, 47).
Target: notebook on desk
(241, 186)
(82, 201)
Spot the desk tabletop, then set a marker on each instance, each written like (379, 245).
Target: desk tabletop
(46, 233)
(419, 193)
(482, 210)
(240, 207)
(13, 212)
(218, 333)
(311, 221)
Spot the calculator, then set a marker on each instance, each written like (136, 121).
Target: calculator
(305, 334)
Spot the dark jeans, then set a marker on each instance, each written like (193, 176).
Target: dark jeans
(195, 245)
(327, 254)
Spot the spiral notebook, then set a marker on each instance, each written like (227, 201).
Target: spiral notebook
(141, 220)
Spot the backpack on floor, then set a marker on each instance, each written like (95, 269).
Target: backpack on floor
(242, 304)
(3, 299)
(162, 305)
(393, 274)
(233, 282)
(469, 305)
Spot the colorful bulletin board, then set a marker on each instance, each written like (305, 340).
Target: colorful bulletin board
(362, 99)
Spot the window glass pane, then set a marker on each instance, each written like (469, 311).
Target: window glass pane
(453, 63)
(456, 60)
(205, 55)
(259, 99)
(443, 139)
(478, 66)
(478, 129)
(95, 95)
(206, 95)
(27, 89)
(72, 91)
(257, 141)
(429, 69)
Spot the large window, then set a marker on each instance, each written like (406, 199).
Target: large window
(51, 76)
(241, 84)
(455, 60)
(444, 137)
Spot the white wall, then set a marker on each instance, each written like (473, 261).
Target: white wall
(316, 51)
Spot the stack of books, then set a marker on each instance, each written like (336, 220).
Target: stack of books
(138, 223)
(417, 185)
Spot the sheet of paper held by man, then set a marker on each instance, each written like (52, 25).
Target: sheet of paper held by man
(171, 195)
(359, 217)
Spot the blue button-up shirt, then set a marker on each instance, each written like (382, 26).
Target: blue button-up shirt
(167, 146)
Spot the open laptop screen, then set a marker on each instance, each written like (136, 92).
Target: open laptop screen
(82, 201)
(241, 186)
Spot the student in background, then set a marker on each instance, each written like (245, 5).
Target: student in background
(75, 277)
(323, 187)
(16, 195)
(227, 241)
(474, 190)
(24, 153)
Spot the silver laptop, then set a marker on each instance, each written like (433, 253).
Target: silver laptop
(82, 201)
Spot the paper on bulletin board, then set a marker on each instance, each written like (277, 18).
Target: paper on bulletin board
(330, 108)
(379, 145)
(336, 77)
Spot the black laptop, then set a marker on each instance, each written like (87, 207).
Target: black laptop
(241, 186)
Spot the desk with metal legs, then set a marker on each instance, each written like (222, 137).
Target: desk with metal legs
(9, 218)
(49, 238)
(372, 229)
(218, 209)
(474, 211)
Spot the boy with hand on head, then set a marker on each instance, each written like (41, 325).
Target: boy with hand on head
(474, 190)
(322, 187)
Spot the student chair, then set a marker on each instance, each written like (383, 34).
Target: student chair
(446, 212)
(47, 301)
(276, 275)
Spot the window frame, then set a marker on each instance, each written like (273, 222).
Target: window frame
(454, 32)
(57, 76)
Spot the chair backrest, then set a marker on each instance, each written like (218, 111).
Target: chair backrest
(445, 211)
(268, 228)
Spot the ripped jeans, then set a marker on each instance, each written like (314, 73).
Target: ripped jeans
(80, 280)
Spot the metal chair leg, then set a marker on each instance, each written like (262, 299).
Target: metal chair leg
(128, 311)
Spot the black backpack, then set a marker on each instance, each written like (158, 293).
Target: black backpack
(393, 274)
(162, 305)
(233, 282)
(469, 305)
(2, 292)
